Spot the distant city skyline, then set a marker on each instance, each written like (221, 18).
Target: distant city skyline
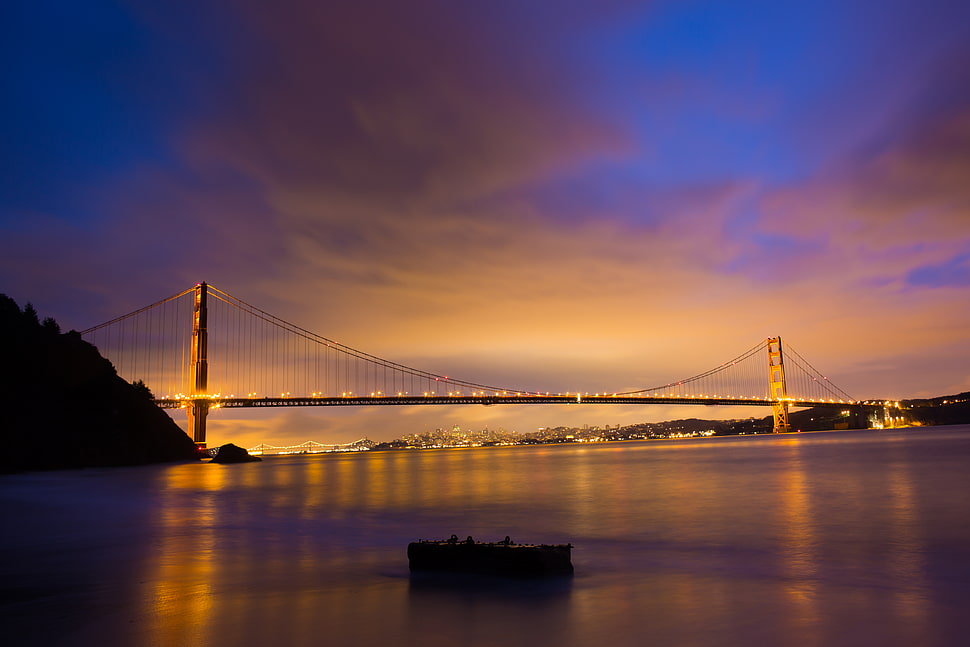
(587, 196)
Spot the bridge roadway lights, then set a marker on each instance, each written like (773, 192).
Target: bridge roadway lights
(197, 409)
(319, 401)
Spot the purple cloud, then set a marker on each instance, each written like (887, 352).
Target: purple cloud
(954, 272)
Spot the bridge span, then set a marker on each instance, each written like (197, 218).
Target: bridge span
(215, 402)
(205, 349)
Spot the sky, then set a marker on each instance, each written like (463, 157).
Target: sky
(609, 194)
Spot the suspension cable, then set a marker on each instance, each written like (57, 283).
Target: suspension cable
(740, 358)
(815, 371)
(136, 312)
(347, 350)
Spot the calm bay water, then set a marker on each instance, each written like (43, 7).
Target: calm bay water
(841, 538)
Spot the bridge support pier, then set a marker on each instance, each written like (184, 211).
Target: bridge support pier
(197, 412)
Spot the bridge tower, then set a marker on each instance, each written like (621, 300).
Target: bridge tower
(776, 384)
(198, 407)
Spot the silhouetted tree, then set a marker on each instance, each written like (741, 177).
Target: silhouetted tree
(50, 324)
(31, 314)
(142, 389)
(9, 310)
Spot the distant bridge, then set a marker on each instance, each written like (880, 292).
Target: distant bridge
(205, 349)
(310, 447)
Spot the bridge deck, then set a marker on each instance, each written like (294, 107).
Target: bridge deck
(410, 400)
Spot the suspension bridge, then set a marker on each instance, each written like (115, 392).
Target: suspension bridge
(204, 349)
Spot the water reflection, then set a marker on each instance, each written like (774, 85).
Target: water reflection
(906, 557)
(448, 610)
(798, 540)
(180, 587)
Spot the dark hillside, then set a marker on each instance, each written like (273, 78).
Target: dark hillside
(62, 405)
(943, 410)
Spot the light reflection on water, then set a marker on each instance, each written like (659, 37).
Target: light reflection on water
(816, 539)
(798, 544)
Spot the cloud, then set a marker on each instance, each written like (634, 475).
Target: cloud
(954, 272)
(431, 99)
(904, 208)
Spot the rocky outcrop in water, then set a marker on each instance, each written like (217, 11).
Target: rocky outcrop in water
(230, 453)
(63, 406)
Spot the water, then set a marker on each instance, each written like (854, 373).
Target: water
(842, 538)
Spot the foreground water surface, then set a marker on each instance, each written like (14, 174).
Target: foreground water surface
(839, 538)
